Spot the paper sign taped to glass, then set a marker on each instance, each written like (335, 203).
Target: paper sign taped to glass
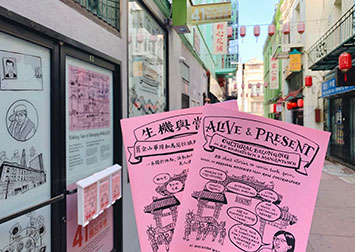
(158, 151)
(250, 181)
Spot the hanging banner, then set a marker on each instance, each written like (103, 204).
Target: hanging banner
(274, 73)
(220, 38)
(295, 61)
(242, 192)
(210, 13)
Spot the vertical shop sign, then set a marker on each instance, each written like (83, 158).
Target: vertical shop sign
(220, 38)
(89, 147)
(25, 143)
(274, 73)
(295, 61)
(243, 189)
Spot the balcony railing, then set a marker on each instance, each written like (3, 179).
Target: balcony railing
(228, 61)
(339, 34)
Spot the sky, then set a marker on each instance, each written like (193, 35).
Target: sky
(252, 12)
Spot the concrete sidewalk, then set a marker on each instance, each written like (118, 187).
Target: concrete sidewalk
(333, 225)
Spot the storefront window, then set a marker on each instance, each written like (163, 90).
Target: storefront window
(147, 63)
(25, 125)
(89, 147)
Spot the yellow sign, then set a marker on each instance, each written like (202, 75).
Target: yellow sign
(210, 13)
(295, 62)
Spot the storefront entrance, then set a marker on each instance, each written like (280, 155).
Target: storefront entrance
(342, 126)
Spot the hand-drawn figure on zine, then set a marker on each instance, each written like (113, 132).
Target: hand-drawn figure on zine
(27, 238)
(22, 120)
(256, 207)
(282, 242)
(163, 208)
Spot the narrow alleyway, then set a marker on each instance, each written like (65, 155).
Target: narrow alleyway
(333, 223)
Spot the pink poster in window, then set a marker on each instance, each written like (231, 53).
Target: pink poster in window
(158, 151)
(252, 186)
(94, 237)
(116, 186)
(89, 99)
(90, 202)
(104, 194)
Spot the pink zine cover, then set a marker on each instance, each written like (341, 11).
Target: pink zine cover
(158, 150)
(252, 186)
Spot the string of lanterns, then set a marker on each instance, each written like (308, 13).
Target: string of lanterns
(271, 29)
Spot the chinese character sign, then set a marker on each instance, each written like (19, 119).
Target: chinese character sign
(274, 73)
(295, 61)
(220, 38)
(210, 13)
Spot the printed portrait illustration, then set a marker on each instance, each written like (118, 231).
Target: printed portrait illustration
(282, 241)
(22, 120)
(9, 65)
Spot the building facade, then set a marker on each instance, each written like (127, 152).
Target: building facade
(251, 89)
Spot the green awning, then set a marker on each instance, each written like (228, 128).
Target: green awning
(297, 96)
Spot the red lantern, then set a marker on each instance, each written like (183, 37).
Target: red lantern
(265, 84)
(246, 95)
(243, 31)
(293, 104)
(256, 30)
(289, 106)
(258, 85)
(249, 85)
(308, 81)
(345, 63)
(243, 85)
(286, 28)
(300, 27)
(300, 103)
(230, 31)
(208, 73)
(271, 30)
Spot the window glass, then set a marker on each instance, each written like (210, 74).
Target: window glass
(147, 64)
(89, 147)
(25, 151)
(107, 10)
(29, 232)
(89, 119)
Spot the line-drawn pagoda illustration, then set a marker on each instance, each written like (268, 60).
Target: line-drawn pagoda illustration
(28, 238)
(17, 176)
(164, 207)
